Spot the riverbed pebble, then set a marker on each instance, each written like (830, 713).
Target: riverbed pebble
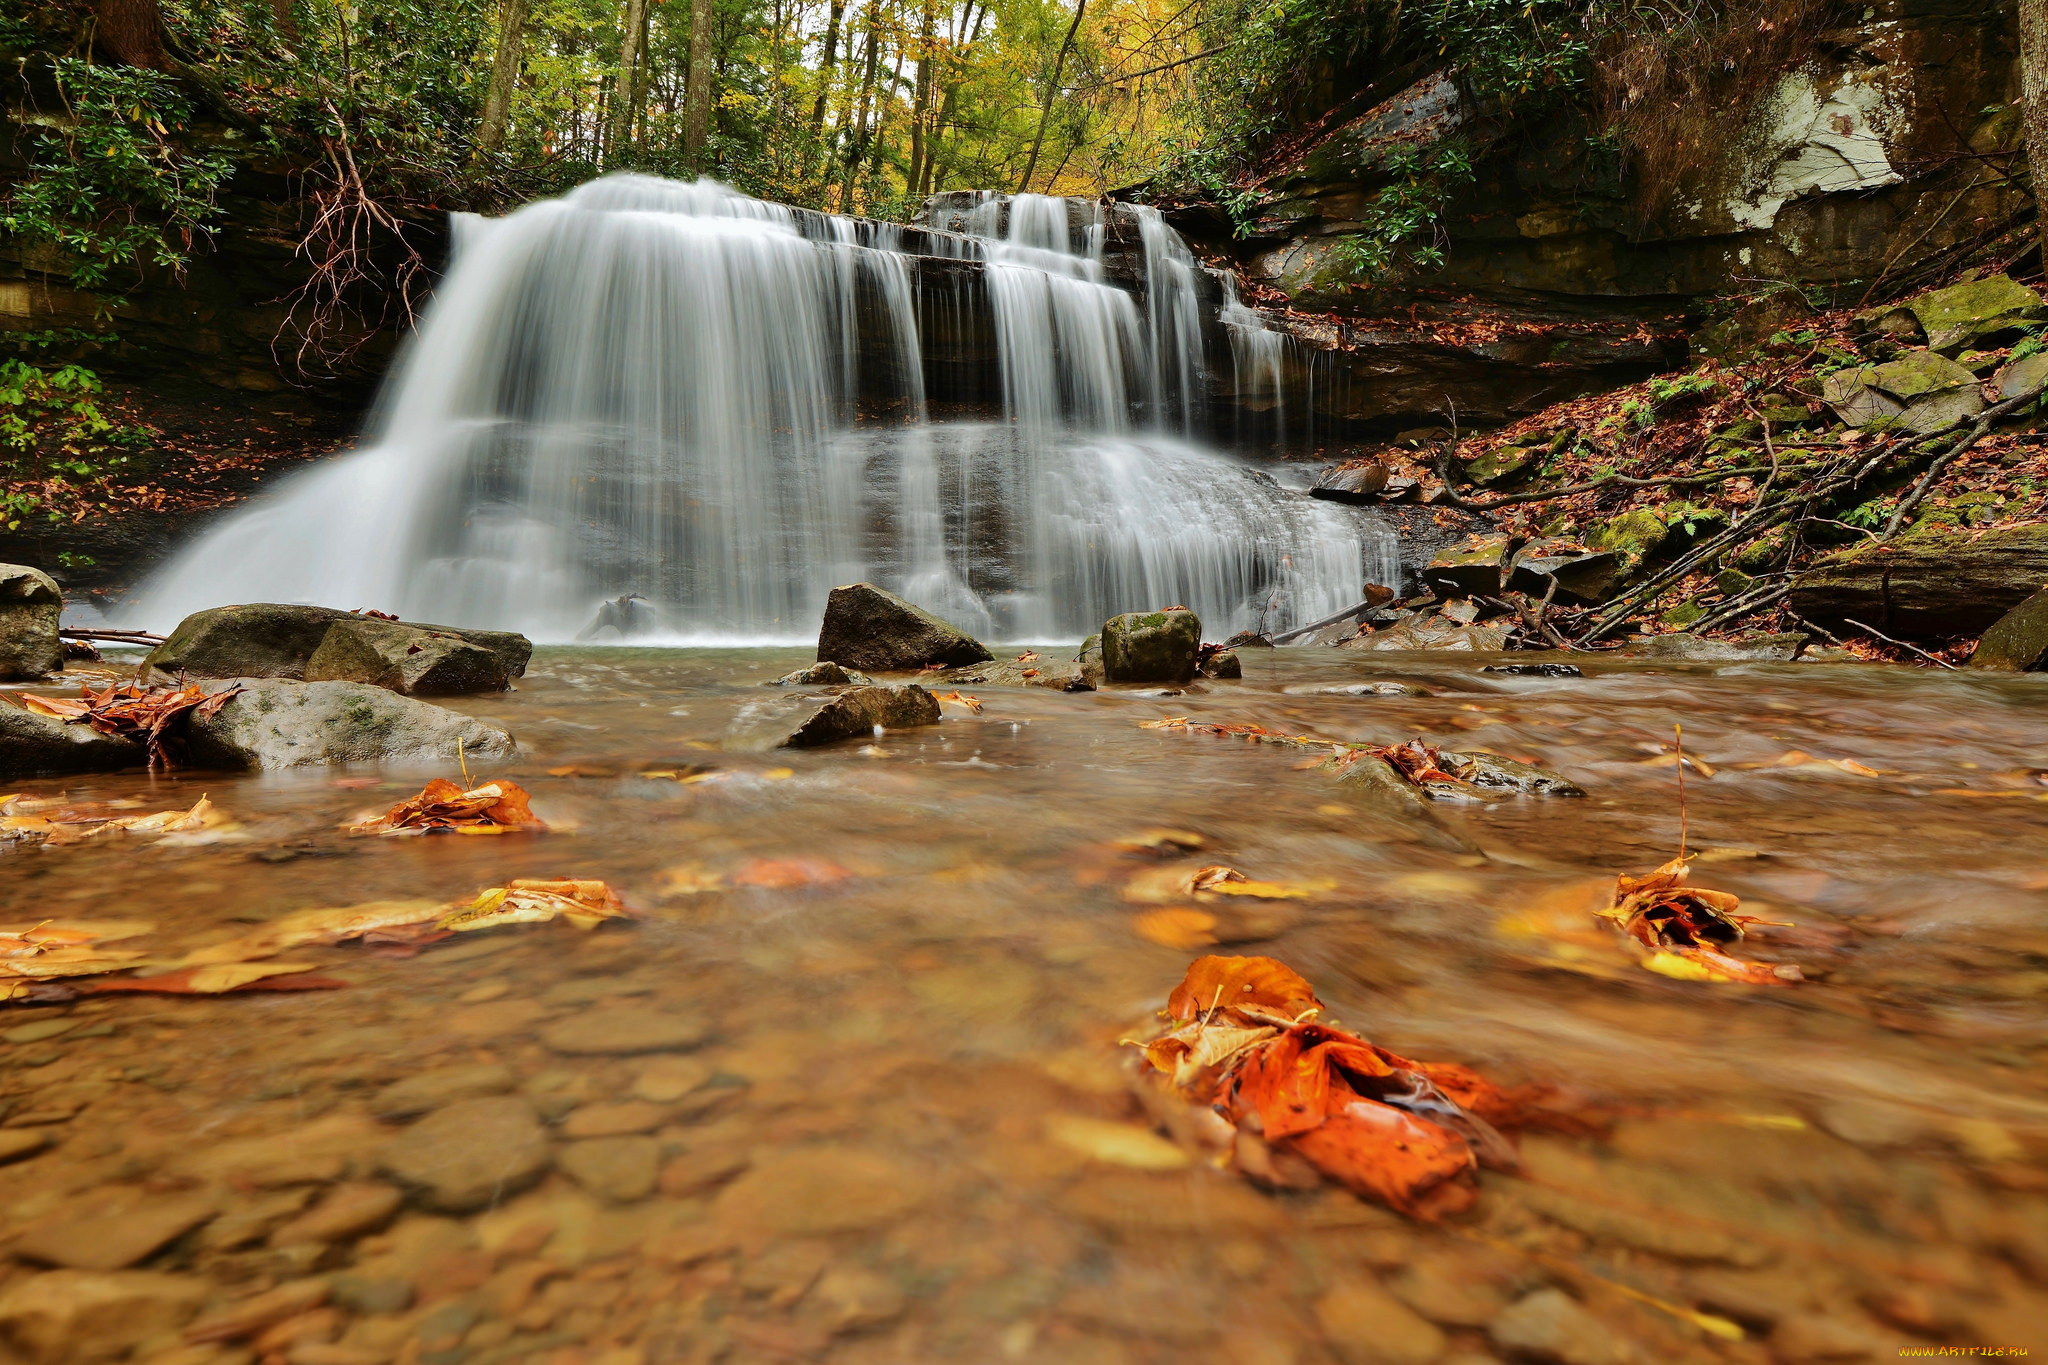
(1549, 1325)
(427, 1090)
(617, 1168)
(625, 1030)
(1366, 1325)
(471, 1153)
(80, 1317)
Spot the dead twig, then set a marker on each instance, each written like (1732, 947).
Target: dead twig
(1848, 620)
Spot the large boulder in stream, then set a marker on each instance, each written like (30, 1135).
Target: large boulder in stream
(276, 723)
(870, 627)
(1933, 583)
(2018, 641)
(279, 640)
(1151, 646)
(416, 661)
(30, 604)
(31, 744)
(861, 711)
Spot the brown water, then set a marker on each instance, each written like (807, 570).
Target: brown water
(914, 961)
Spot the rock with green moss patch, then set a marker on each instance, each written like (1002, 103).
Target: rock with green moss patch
(2018, 641)
(1504, 466)
(1476, 565)
(1921, 392)
(1632, 538)
(279, 640)
(1684, 614)
(30, 605)
(1584, 575)
(1933, 583)
(1976, 312)
(277, 723)
(1153, 646)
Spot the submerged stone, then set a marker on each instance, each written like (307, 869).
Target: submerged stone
(1153, 646)
(824, 673)
(80, 1317)
(30, 605)
(1224, 663)
(869, 627)
(471, 1154)
(1491, 770)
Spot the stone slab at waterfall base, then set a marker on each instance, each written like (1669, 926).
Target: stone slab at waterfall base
(276, 723)
(415, 661)
(1153, 646)
(870, 627)
(30, 605)
(279, 640)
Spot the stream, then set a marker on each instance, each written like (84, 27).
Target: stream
(849, 1088)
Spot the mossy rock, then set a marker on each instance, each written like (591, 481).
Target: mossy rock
(1732, 582)
(1976, 312)
(1684, 614)
(1153, 646)
(1507, 465)
(2018, 641)
(1632, 537)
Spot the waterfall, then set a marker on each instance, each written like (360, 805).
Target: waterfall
(719, 403)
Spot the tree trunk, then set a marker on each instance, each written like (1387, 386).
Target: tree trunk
(490, 135)
(921, 103)
(856, 146)
(697, 95)
(945, 118)
(1053, 88)
(2034, 91)
(131, 32)
(825, 61)
(631, 38)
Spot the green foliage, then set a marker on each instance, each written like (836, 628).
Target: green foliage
(107, 185)
(1666, 393)
(1402, 224)
(54, 432)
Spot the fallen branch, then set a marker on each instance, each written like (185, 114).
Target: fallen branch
(1850, 620)
(119, 637)
(1946, 458)
(1616, 481)
(1345, 615)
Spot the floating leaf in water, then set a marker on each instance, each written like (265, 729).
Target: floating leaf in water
(324, 925)
(498, 807)
(529, 900)
(59, 825)
(223, 978)
(1116, 1144)
(1684, 931)
(1176, 927)
(1409, 1134)
(959, 701)
(1165, 885)
(789, 874)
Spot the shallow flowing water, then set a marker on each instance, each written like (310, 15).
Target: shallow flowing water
(913, 961)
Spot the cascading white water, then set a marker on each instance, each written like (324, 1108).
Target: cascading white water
(650, 387)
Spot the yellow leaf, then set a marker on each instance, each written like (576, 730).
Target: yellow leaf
(1176, 927)
(1116, 1144)
(1679, 967)
(225, 976)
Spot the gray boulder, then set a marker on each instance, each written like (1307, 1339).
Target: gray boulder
(30, 603)
(278, 640)
(868, 627)
(2018, 641)
(1505, 774)
(277, 723)
(31, 744)
(1054, 675)
(1151, 647)
(416, 661)
(1352, 483)
(857, 711)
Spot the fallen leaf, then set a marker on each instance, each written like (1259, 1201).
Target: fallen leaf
(221, 979)
(1683, 931)
(1411, 1135)
(1176, 927)
(324, 925)
(788, 874)
(131, 711)
(972, 705)
(529, 900)
(497, 807)
(1116, 1144)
